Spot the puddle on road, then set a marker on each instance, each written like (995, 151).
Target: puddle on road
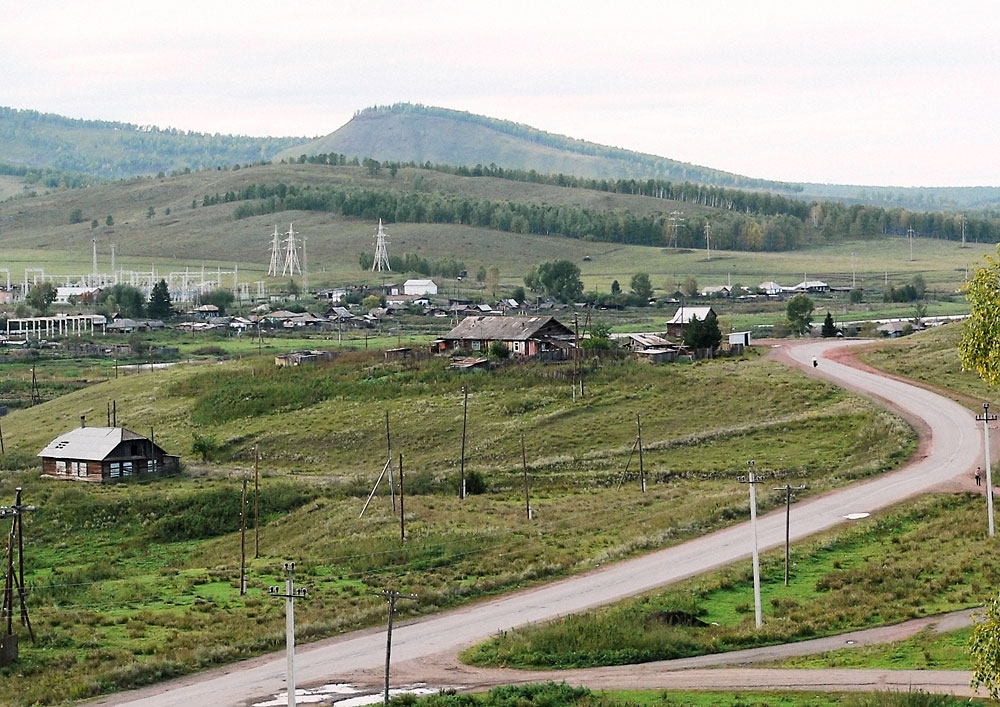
(344, 695)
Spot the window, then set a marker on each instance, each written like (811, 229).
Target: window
(60, 467)
(80, 468)
(127, 468)
(115, 469)
(475, 346)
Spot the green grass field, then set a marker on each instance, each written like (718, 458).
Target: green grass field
(137, 582)
(914, 560)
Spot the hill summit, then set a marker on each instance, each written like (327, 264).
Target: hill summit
(406, 132)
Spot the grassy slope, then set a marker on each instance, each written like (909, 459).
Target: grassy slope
(156, 590)
(36, 233)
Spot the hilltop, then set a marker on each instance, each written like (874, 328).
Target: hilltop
(55, 151)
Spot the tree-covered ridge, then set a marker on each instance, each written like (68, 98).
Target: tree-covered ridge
(121, 150)
(766, 224)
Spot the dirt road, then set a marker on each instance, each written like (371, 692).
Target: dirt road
(952, 450)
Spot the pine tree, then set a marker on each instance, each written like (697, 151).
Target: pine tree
(160, 305)
(829, 328)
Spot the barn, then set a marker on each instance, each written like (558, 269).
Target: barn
(105, 455)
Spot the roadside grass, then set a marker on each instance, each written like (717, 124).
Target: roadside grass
(924, 651)
(931, 357)
(916, 559)
(552, 694)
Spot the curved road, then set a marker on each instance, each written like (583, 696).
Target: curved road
(954, 449)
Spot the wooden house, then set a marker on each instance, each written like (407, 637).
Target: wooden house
(104, 454)
(683, 316)
(524, 337)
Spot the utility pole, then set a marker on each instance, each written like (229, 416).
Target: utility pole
(291, 593)
(2, 450)
(465, 417)
(963, 230)
(402, 513)
(752, 481)
(986, 418)
(910, 233)
(392, 595)
(708, 242)
(243, 539)
(854, 272)
(788, 519)
(524, 465)
(12, 581)
(638, 441)
(576, 353)
(256, 503)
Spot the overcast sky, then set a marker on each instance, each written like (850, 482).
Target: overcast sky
(886, 93)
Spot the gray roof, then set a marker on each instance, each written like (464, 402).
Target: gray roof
(684, 314)
(89, 443)
(506, 328)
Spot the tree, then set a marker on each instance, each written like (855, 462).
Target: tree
(127, 300)
(493, 279)
(481, 274)
(984, 645)
(616, 289)
(150, 212)
(829, 328)
(979, 349)
(76, 216)
(220, 298)
(41, 297)
(641, 287)
(109, 221)
(799, 313)
(519, 294)
(370, 302)
(561, 279)
(690, 286)
(856, 296)
(160, 305)
(93, 224)
(599, 339)
(703, 334)
(499, 350)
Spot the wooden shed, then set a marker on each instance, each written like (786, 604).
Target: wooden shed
(105, 454)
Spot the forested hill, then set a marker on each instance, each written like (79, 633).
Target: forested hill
(406, 132)
(121, 150)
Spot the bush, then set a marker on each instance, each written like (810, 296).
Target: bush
(475, 482)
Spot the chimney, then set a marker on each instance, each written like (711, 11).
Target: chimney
(83, 420)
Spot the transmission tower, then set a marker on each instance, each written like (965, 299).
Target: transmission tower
(291, 253)
(381, 250)
(275, 266)
(676, 219)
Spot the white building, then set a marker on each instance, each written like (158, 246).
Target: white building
(420, 287)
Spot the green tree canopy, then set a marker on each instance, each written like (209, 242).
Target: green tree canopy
(829, 328)
(979, 349)
(160, 305)
(560, 279)
(703, 334)
(799, 313)
(641, 286)
(984, 645)
(220, 298)
(127, 300)
(41, 297)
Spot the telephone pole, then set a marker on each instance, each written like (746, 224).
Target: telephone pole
(524, 465)
(752, 481)
(291, 593)
(788, 519)
(392, 595)
(256, 503)
(986, 418)
(465, 418)
(243, 539)
(15, 543)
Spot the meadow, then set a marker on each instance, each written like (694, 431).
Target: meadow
(920, 558)
(136, 582)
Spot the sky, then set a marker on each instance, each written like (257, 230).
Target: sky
(847, 92)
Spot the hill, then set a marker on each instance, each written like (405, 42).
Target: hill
(113, 150)
(413, 133)
(216, 217)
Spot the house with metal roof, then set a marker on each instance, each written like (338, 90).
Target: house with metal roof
(105, 455)
(542, 337)
(683, 316)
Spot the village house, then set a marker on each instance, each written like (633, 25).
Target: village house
(104, 454)
(420, 287)
(683, 316)
(542, 337)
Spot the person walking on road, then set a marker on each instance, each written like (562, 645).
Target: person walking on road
(979, 476)
(815, 362)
